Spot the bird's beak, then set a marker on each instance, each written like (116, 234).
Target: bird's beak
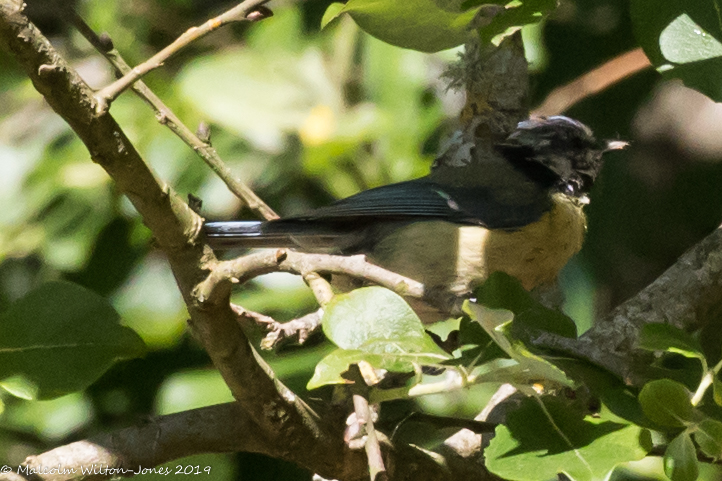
(616, 145)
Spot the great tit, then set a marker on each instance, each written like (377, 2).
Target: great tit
(514, 207)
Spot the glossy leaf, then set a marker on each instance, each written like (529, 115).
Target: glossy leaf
(60, 338)
(717, 390)
(680, 459)
(332, 12)
(667, 402)
(425, 25)
(373, 314)
(502, 291)
(539, 443)
(682, 39)
(394, 357)
(497, 322)
(377, 326)
(709, 437)
(620, 399)
(512, 17)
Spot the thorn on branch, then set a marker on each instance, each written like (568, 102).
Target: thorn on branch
(195, 203)
(203, 132)
(105, 42)
(259, 14)
(46, 70)
(161, 117)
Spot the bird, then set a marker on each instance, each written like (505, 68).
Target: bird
(515, 207)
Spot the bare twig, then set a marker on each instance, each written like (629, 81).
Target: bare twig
(279, 332)
(377, 470)
(166, 116)
(320, 287)
(602, 77)
(240, 270)
(239, 13)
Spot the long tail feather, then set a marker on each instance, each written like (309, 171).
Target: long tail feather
(244, 234)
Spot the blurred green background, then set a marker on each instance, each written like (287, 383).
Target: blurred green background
(305, 117)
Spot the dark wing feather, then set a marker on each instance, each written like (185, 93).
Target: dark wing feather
(349, 224)
(423, 199)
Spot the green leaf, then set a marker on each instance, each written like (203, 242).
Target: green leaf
(373, 314)
(377, 326)
(502, 291)
(539, 443)
(515, 15)
(20, 387)
(60, 338)
(395, 357)
(332, 12)
(475, 346)
(683, 39)
(424, 25)
(667, 402)
(497, 322)
(709, 437)
(680, 459)
(717, 390)
(664, 337)
(619, 398)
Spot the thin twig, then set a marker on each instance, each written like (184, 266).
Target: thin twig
(611, 72)
(300, 328)
(239, 13)
(166, 116)
(242, 269)
(377, 470)
(320, 287)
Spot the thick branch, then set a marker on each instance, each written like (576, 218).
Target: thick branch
(175, 226)
(288, 425)
(218, 429)
(215, 429)
(687, 296)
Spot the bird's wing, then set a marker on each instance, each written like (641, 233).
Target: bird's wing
(424, 199)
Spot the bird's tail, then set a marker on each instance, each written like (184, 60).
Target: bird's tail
(251, 233)
(281, 233)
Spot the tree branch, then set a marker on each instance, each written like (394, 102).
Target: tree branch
(594, 81)
(687, 295)
(166, 117)
(176, 227)
(221, 428)
(238, 13)
(292, 430)
(242, 269)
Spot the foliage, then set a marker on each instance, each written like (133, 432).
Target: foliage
(306, 116)
(60, 338)
(683, 39)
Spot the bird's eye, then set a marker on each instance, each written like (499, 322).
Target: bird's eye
(571, 187)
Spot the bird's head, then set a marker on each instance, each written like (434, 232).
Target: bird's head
(560, 151)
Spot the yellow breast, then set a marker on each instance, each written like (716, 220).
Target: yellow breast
(453, 258)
